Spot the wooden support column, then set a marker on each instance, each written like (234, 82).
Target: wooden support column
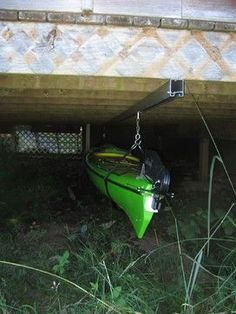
(87, 137)
(203, 159)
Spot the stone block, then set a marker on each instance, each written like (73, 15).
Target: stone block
(174, 23)
(119, 20)
(35, 16)
(90, 19)
(225, 27)
(59, 17)
(8, 15)
(147, 21)
(201, 25)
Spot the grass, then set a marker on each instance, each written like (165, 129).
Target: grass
(58, 256)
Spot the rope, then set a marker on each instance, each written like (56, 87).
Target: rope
(213, 141)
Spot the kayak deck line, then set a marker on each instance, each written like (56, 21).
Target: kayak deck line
(135, 190)
(117, 155)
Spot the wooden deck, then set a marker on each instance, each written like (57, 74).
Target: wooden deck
(56, 99)
(92, 66)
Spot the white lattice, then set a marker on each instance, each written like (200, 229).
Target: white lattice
(116, 51)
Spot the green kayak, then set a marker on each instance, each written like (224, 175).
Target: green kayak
(135, 186)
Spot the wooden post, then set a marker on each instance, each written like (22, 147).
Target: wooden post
(203, 159)
(87, 137)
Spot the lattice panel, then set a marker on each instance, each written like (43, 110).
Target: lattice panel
(45, 48)
(48, 143)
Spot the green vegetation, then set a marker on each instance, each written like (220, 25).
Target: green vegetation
(78, 255)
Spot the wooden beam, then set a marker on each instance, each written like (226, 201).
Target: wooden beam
(74, 100)
(71, 93)
(209, 98)
(104, 113)
(203, 159)
(113, 99)
(210, 88)
(210, 110)
(87, 137)
(65, 101)
(75, 82)
(103, 83)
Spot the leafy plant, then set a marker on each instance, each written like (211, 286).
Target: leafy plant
(63, 260)
(107, 270)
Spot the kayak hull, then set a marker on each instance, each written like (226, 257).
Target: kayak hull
(125, 187)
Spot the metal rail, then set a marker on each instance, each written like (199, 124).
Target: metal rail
(166, 93)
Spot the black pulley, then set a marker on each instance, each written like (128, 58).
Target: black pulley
(163, 182)
(156, 172)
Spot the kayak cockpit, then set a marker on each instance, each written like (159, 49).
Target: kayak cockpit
(120, 163)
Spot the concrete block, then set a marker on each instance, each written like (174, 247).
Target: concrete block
(147, 21)
(59, 17)
(8, 15)
(230, 27)
(35, 16)
(201, 25)
(174, 23)
(119, 20)
(90, 19)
